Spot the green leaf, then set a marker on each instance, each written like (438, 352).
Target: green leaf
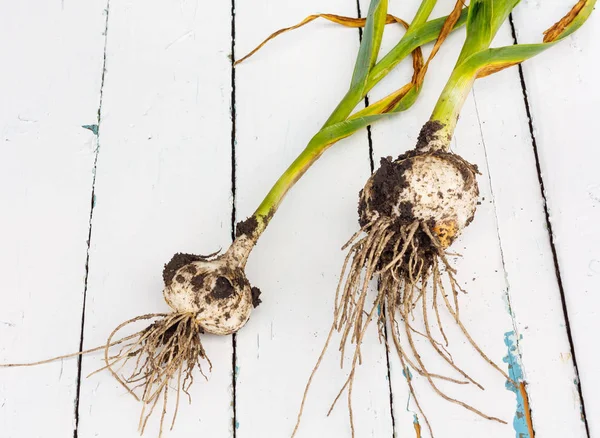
(422, 14)
(336, 132)
(485, 18)
(490, 61)
(371, 42)
(415, 37)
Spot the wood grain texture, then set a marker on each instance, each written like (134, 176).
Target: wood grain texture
(50, 86)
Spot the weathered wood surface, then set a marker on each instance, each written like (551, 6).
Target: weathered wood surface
(179, 145)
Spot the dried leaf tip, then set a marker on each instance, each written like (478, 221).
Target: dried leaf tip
(337, 19)
(558, 28)
(494, 68)
(446, 29)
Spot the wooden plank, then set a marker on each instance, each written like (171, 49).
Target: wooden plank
(163, 186)
(49, 83)
(563, 93)
(502, 242)
(284, 95)
(533, 290)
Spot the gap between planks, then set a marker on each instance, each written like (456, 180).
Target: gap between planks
(549, 227)
(385, 329)
(233, 215)
(89, 238)
(513, 318)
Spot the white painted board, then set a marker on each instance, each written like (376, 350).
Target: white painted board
(50, 85)
(163, 185)
(564, 96)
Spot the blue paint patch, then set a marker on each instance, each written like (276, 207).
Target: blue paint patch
(408, 376)
(237, 424)
(237, 371)
(93, 128)
(378, 309)
(515, 371)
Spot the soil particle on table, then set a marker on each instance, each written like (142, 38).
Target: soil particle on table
(255, 296)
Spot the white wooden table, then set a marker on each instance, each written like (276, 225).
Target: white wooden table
(178, 146)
